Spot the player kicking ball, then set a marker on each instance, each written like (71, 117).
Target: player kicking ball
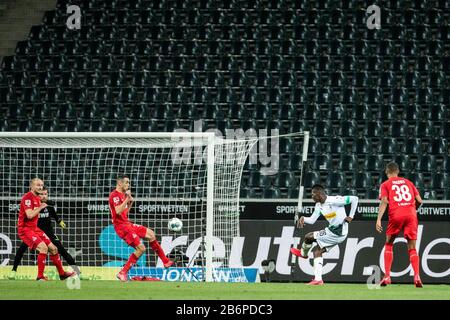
(332, 208)
(120, 202)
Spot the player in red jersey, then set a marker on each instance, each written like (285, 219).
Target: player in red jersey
(32, 236)
(120, 202)
(403, 199)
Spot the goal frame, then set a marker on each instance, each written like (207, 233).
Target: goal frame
(209, 138)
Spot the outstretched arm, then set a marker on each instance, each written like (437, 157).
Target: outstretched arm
(313, 218)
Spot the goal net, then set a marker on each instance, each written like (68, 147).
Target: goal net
(192, 176)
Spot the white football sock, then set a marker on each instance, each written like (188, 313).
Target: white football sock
(305, 249)
(318, 264)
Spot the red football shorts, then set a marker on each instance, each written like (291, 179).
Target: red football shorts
(406, 223)
(131, 233)
(32, 237)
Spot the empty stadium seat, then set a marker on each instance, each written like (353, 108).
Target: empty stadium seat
(417, 179)
(372, 194)
(361, 146)
(335, 179)
(404, 162)
(322, 162)
(289, 65)
(348, 162)
(426, 163)
(413, 146)
(336, 145)
(389, 146)
(440, 180)
(373, 163)
(373, 129)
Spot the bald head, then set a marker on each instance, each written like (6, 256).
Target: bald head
(36, 186)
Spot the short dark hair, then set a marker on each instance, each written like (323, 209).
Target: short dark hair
(121, 177)
(319, 187)
(44, 188)
(392, 167)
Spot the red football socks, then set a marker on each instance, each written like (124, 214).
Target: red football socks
(414, 259)
(57, 262)
(130, 263)
(388, 257)
(156, 247)
(41, 260)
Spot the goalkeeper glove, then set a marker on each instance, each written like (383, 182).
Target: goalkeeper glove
(62, 224)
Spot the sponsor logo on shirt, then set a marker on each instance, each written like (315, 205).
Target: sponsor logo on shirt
(330, 215)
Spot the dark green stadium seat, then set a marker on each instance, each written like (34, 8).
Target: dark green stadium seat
(372, 194)
(254, 179)
(445, 165)
(447, 194)
(429, 195)
(398, 129)
(426, 163)
(335, 145)
(440, 180)
(424, 129)
(223, 125)
(243, 193)
(404, 162)
(262, 112)
(389, 146)
(335, 180)
(315, 146)
(362, 180)
(373, 129)
(348, 162)
(438, 146)
(285, 179)
(362, 146)
(437, 113)
(288, 112)
(347, 128)
(413, 146)
(360, 112)
(310, 178)
(322, 162)
(413, 112)
(373, 163)
(323, 128)
(446, 130)
(164, 111)
(213, 112)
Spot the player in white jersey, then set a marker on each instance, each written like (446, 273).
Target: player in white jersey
(332, 208)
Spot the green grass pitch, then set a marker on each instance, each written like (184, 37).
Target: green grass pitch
(25, 289)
